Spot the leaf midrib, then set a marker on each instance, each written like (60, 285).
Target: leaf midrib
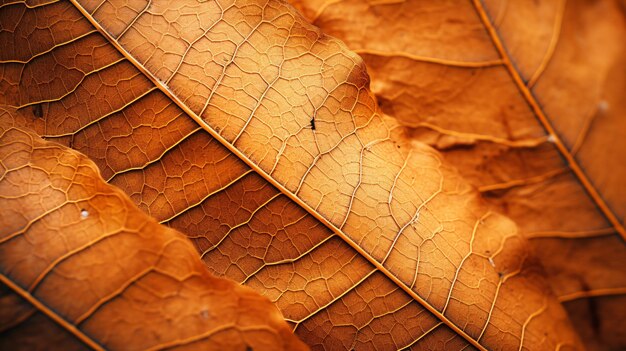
(160, 85)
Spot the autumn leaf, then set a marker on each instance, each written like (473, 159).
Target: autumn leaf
(249, 130)
(81, 267)
(526, 99)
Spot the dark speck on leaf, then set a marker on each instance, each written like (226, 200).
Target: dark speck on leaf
(313, 123)
(38, 110)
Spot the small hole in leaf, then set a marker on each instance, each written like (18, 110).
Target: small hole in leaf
(84, 213)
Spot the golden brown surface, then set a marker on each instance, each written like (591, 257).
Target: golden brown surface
(82, 267)
(487, 83)
(201, 113)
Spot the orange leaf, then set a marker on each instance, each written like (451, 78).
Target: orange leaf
(255, 134)
(81, 266)
(508, 91)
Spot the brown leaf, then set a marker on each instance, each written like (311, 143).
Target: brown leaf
(248, 129)
(507, 91)
(82, 268)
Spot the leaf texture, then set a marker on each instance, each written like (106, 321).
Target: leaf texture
(82, 268)
(508, 91)
(255, 134)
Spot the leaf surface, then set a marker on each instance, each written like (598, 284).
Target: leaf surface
(82, 268)
(526, 99)
(255, 134)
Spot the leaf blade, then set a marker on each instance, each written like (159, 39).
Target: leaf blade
(73, 283)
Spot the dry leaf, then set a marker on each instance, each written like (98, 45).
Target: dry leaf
(482, 82)
(81, 267)
(246, 128)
